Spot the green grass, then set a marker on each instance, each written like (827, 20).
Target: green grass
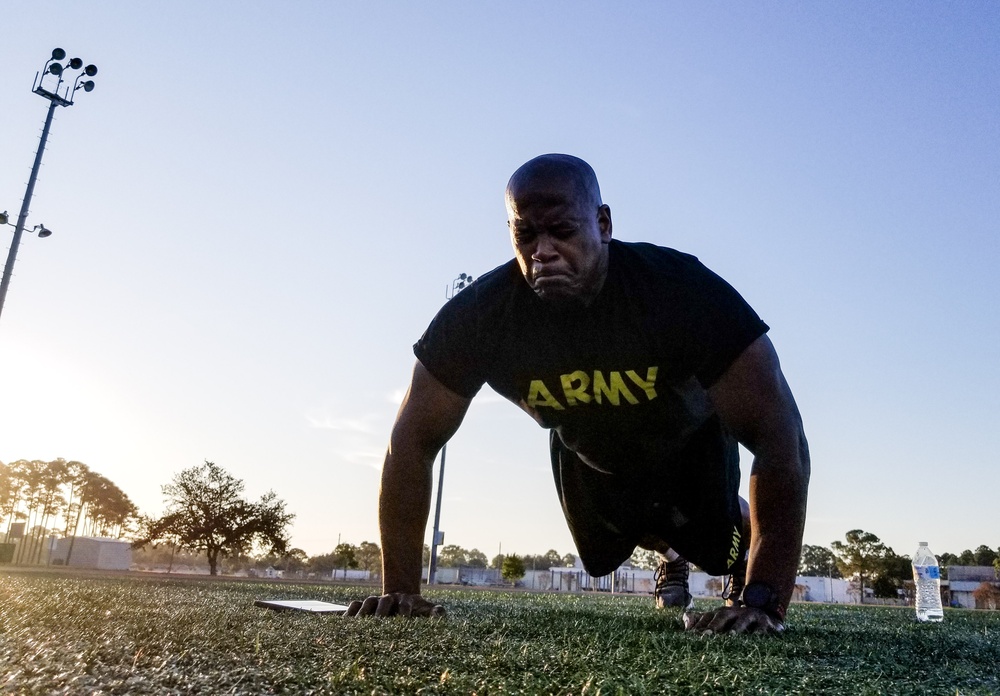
(69, 634)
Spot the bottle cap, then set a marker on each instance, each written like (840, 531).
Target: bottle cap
(923, 543)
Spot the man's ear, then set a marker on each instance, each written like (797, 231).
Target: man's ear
(604, 222)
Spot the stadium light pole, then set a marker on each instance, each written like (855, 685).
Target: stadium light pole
(457, 285)
(55, 72)
(831, 577)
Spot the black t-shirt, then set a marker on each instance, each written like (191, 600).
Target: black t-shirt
(623, 381)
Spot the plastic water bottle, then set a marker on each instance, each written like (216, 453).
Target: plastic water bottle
(927, 581)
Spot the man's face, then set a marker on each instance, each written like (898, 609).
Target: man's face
(560, 240)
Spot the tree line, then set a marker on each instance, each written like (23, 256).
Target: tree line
(206, 517)
(40, 499)
(864, 556)
(452, 556)
(207, 514)
(365, 556)
(861, 555)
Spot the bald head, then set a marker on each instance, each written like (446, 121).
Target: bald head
(555, 174)
(559, 228)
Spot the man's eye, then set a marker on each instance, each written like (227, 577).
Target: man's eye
(562, 232)
(523, 236)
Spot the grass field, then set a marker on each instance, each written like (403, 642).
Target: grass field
(111, 635)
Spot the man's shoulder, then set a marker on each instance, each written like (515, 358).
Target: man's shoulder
(647, 270)
(656, 259)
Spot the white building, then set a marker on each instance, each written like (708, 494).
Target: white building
(628, 580)
(963, 581)
(352, 574)
(93, 552)
(634, 580)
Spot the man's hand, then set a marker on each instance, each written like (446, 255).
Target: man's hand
(394, 604)
(732, 620)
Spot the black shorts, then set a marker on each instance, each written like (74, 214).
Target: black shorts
(692, 504)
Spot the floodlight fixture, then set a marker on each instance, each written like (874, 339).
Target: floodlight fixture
(457, 285)
(53, 67)
(4, 217)
(42, 231)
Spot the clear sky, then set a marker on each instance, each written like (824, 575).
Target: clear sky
(258, 209)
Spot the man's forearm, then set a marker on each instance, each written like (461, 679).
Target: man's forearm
(778, 511)
(404, 503)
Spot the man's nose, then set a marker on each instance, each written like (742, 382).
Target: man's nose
(545, 250)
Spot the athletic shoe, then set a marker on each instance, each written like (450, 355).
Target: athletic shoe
(672, 585)
(733, 591)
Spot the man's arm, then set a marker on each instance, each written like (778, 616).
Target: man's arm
(754, 402)
(429, 416)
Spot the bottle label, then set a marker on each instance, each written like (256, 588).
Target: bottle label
(927, 572)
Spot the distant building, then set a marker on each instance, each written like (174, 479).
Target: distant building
(963, 581)
(820, 589)
(95, 553)
(354, 574)
(635, 580)
(631, 581)
(467, 575)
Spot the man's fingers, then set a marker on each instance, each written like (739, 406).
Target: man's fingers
(386, 605)
(755, 621)
(743, 623)
(770, 626)
(395, 604)
(421, 607)
(362, 608)
(704, 621)
(732, 620)
(722, 622)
